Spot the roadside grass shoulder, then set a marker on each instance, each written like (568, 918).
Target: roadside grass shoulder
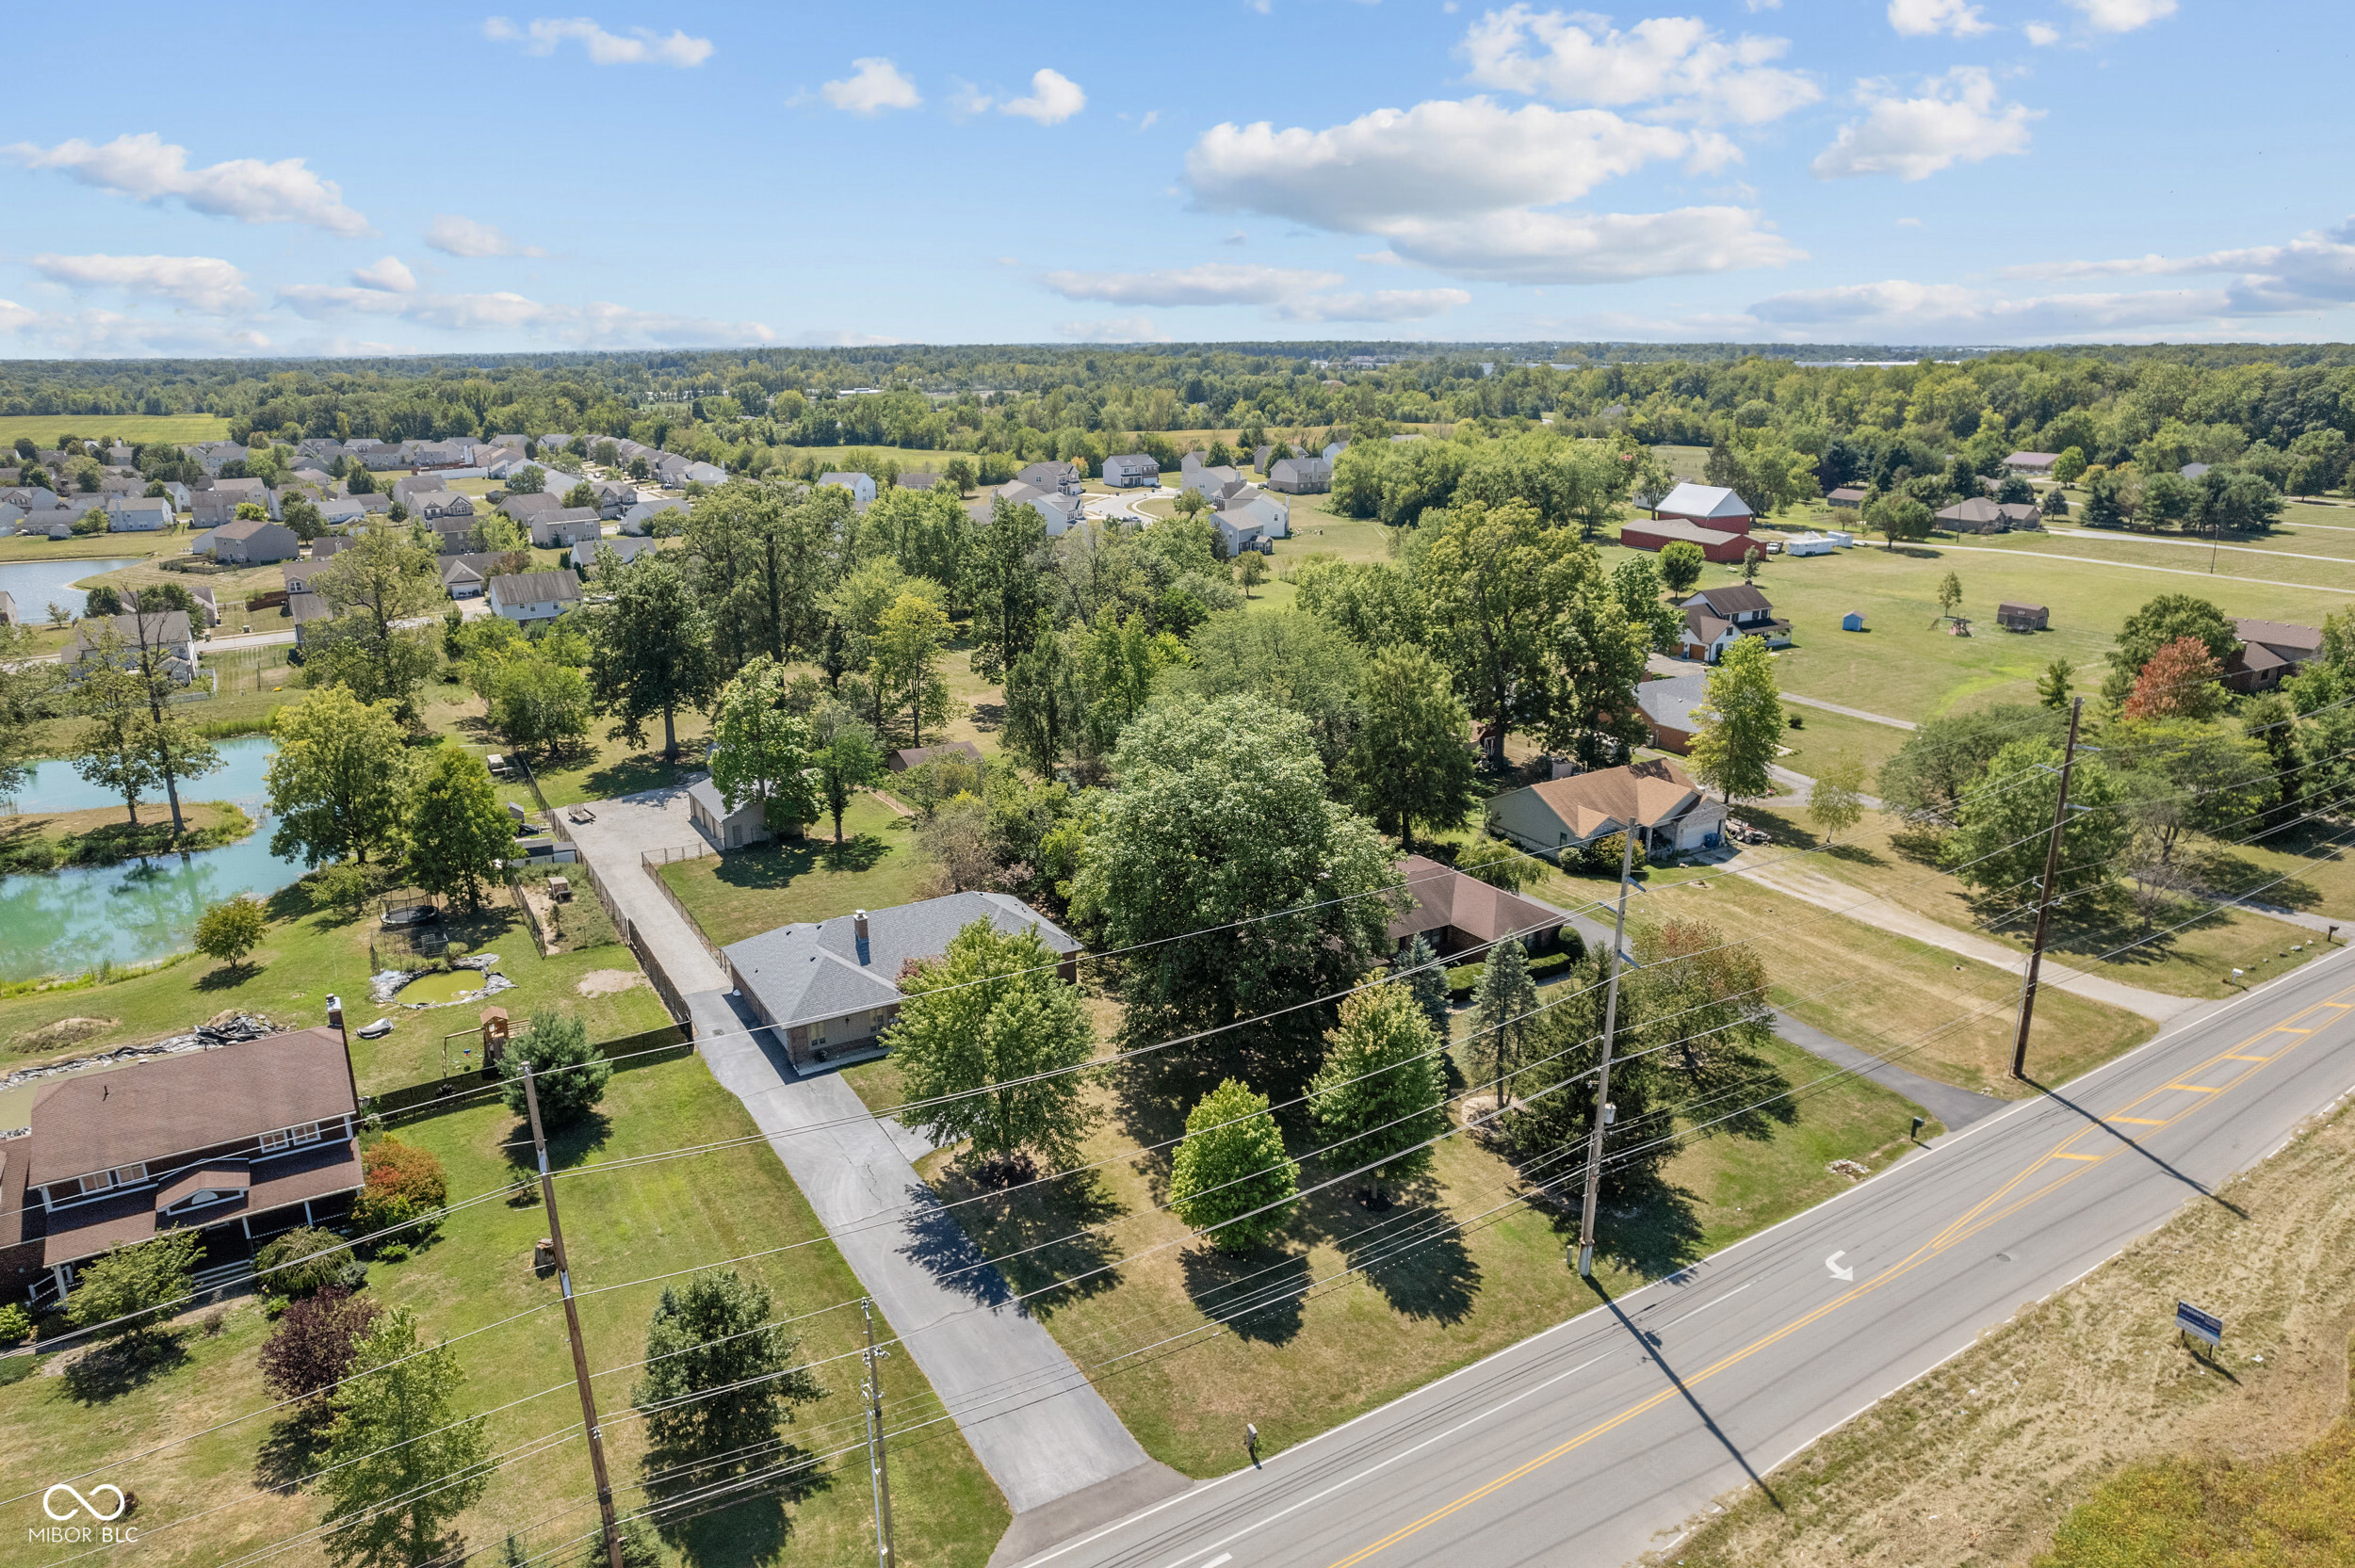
(2084, 1434)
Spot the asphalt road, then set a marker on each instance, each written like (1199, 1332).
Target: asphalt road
(1594, 1441)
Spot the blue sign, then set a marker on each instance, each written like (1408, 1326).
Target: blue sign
(2199, 1325)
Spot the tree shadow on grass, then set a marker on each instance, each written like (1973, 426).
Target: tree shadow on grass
(862, 853)
(1646, 1223)
(642, 770)
(775, 867)
(116, 1369)
(1041, 1234)
(1856, 853)
(1258, 1295)
(1408, 1248)
(228, 977)
(734, 1515)
(567, 1146)
(292, 1449)
(2229, 875)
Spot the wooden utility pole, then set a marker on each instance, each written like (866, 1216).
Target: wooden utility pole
(2044, 896)
(571, 1327)
(1602, 1079)
(881, 1479)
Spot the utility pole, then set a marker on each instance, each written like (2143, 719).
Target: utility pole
(571, 1327)
(881, 1481)
(2044, 896)
(1602, 1079)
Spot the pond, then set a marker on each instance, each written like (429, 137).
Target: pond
(35, 585)
(64, 922)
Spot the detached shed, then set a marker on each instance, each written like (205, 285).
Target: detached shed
(2023, 618)
(1852, 622)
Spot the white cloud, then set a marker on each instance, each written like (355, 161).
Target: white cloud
(1150, 117)
(204, 283)
(2042, 34)
(1212, 284)
(1956, 120)
(965, 100)
(596, 325)
(391, 274)
(1439, 159)
(1388, 305)
(1676, 65)
(1125, 328)
(153, 170)
(1914, 313)
(1928, 18)
(1054, 98)
(2315, 271)
(111, 334)
(873, 86)
(464, 236)
(2124, 16)
(642, 47)
(1598, 248)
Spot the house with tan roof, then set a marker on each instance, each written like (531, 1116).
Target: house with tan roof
(1657, 800)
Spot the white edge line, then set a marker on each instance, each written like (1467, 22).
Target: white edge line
(2167, 1031)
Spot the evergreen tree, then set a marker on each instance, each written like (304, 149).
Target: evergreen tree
(1427, 980)
(568, 1073)
(2053, 686)
(1505, 1014)
(721, 1379)
(1382, 1092)
(1231, 1178)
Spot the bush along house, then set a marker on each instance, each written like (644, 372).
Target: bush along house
(240, 1141)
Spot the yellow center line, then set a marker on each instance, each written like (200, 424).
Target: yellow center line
(2192, 1088)
(1968, 1224)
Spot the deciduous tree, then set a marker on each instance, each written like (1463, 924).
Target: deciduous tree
(232, 928)
(380, 643)
(1381, 1097)
(458, 831)
(847, 759)
(401, 1465)
(759, 749)
(130, 1289)
(1835, 803)
(1999, 841)
(111, 750)
(2179, 681)
(720, 1380)
(1410, 761)
(1231, 1178)
(316, 1343)
(1742, 729)
(908, 639)
(338, 783)
(1681, 563)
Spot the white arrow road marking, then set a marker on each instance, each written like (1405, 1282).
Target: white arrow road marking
(1832, 1263)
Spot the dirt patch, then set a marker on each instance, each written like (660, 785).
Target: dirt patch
(2002, 1442)
(605, 982)
(62, 1033)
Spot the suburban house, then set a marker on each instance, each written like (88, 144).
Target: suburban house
(1846, 495)
(431, 506)
(209, 608)
(1671, 706)
(167, 630)
(344, 511)
(670, 471)
(2015, 617)
(1715, 543)
(410, 486)
(524, 508)
(1716, 616)
(831, 988)
(1060, 511)
(253, 542)
(213, 455)
(628, 549)
(2269, 651)
(2038, 464)
(1215, 484)
(1462, 916)
(465, 576)
(703, 474)
(1665, 809)
(533, 595)
(1252, 520)
(138, 514)
(1710, 505)
(331, 544)
(1068, 478)
(239, 1142)
(1333, 449)
(1980, 515)
(915, 478)
(307, 610)
(638, 518)
(296, 575)
(916, 756)
(1131, 469)
(1300, 476)
(218, 502)
(558, 530)
(614, 498)
(861, 486)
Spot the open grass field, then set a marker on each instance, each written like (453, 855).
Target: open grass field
(651, 1220)
(310, 953)
(47, 430)
(2082, 1434)
(1149, 1331)
(746, 892)
(16, 548)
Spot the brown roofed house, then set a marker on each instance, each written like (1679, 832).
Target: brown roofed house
(1668, 810)
(1461, 915)
(916, 756)
(2270, 651)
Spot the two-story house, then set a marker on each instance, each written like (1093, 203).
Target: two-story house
(240, 1142)
(1716, 616)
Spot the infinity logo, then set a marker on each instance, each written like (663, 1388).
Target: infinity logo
(85, 1502)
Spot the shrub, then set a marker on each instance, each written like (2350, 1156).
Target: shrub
(232, 928)
(343, 888)
(133, 1286)
(325, 1261)
(402, 1182)
(315, 1344)
(1232, 1177)
(15, 1323)
(1603, 855)
(568, 1073)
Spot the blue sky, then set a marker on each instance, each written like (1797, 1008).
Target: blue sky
(432, 178)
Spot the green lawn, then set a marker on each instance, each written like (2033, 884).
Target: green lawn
(309, 954)
(653, 1219)
(746, 892)
(1302, 1367)
(47, 430)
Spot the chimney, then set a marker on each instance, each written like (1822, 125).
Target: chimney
(859, 924)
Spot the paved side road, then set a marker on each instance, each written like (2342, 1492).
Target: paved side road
(1596, 1440)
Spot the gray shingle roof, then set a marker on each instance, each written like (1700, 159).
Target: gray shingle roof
(805, 973)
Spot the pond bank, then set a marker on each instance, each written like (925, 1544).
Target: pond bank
(102, 835)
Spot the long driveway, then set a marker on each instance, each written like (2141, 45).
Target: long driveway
(1044, 1434)
(1596, 1440)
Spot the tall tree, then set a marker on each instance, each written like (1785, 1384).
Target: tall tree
(650, 649)
(1742, 729)
(1007, 586)
(1494, 578)
(111, 752)
(991, 1033)
(1998, 844)
(338, 784)
(569, 1074)
(28, 688)
(458, 831)
(759, 749)
(1290, 659)
(1504, 1015)
(402, 1465)
(537, 700)
(908, 639)
(381, 643)
(721, 1379)
(2159, 622)
(1232, 1177)
(2179, 681)
(153, 654)
(846, 759)
(767, 556)
(1410, 761)
(1381, 1097)
(1681, 563)
(1047, 709)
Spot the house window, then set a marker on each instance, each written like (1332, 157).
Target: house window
(103, 1181)
(289, 1137)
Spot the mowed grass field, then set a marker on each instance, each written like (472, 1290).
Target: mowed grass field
(47, 430)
